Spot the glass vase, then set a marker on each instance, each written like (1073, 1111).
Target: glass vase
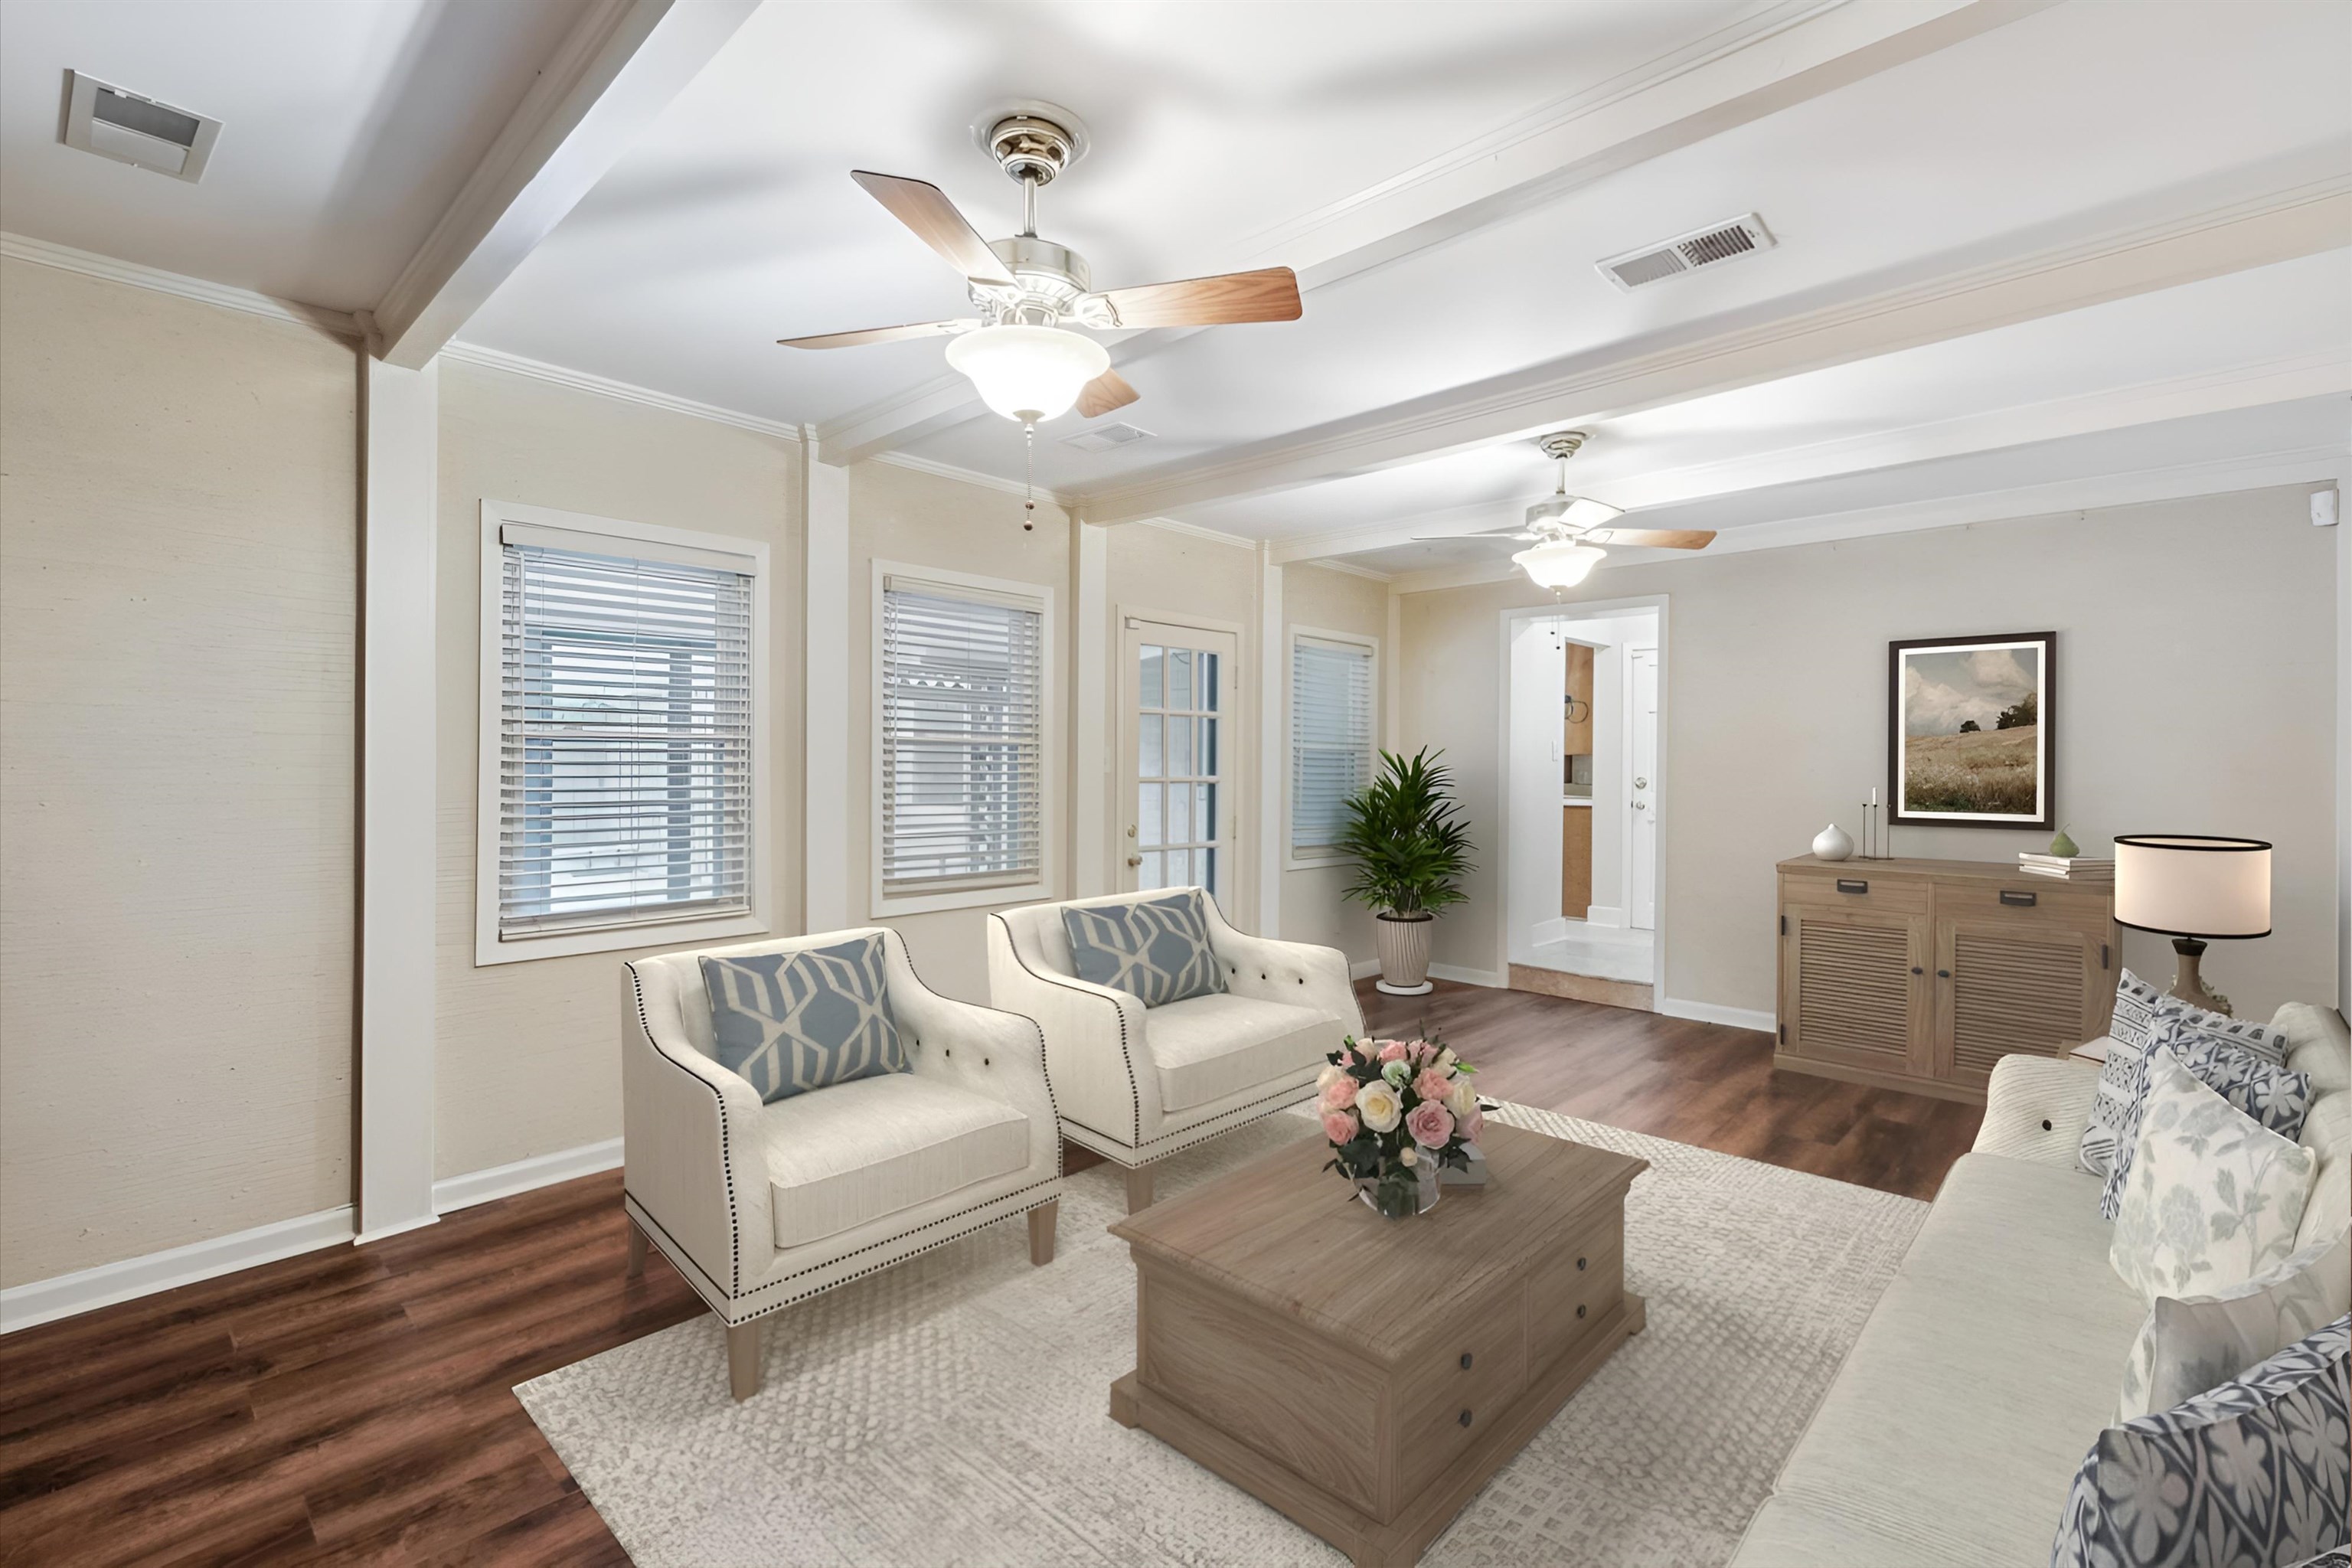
(1424, 1193)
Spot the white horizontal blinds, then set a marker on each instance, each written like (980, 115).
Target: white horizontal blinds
(963, 736)
(1330, 737)
(624, 736)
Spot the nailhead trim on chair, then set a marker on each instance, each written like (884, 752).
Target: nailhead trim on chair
(1134, 1095)
(726, 1160)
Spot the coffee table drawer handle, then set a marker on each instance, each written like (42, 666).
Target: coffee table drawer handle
(1580, 1265)
(1465, 1361)
(1580, 1308)
(1465, 1418)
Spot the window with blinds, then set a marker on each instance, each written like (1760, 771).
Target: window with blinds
(1330, 737)
(625, 734)
(962, 738)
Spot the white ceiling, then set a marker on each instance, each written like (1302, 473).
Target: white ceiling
(1396, 153)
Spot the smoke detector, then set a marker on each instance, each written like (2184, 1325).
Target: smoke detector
(132, 127)
(1103, 438)
(1718, 242)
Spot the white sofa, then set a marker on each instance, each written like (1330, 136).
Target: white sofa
(1136, 1084)
(1953, 1431)
(762, 1205)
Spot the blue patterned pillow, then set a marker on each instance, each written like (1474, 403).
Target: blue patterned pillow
(2258, 1470)
(1155, 949)
(793, 1022)
(2179, 1023)
(2278, 1098)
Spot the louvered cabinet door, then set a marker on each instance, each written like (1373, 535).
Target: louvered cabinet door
(1853, 992)
(2035, 979)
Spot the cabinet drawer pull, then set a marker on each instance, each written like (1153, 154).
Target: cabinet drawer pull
(1943, 974)
(1916, 970)
(1853, 885)
(2016, 900)
(1465, 1418)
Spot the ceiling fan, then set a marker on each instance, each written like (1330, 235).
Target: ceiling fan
(1019, 350)
(1565, 532)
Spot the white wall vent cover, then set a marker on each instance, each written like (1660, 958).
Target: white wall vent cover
(1689, 252)
(1103, 438)
(133, 129)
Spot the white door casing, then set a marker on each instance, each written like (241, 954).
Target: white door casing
(1641, 805)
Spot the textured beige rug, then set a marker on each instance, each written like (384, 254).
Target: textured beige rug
(952, 1410)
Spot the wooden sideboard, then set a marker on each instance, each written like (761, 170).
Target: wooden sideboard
(1921, 975)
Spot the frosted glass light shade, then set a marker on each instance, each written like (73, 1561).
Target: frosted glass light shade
(1563, 563)
(2187, 884)
(1028, 373)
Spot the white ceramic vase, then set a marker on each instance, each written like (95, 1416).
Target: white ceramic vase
(1832, 843)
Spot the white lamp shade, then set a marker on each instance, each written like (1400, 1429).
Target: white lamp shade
(1562, 564)
(2186, 884)
(1028, 373)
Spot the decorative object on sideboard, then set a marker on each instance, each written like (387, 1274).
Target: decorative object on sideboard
(2063, 847)
(1411, 848)
(2194, 887)
(1875, 837)
(1833, 843)
(1970, 730)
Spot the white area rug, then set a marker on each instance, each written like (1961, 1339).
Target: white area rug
(952, 1410)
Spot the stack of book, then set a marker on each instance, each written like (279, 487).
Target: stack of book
(2074, 868)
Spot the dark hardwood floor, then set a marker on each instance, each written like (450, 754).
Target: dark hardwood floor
(354, 1405)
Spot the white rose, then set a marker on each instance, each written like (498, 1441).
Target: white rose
(1406, 1156)
(1380, 1105)
(1446, 1059)
(1333, 1073)
(1461, 1099)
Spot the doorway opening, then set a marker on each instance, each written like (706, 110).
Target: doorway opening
(1584, 790)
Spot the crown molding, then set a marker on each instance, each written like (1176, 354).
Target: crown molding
(1170, 525)
(89, 264)
(605, 386)
(937, 469)
(1349, 567)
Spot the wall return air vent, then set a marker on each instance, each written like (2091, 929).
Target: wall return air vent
(1103, 438)
(1689, 252)
(133, 129)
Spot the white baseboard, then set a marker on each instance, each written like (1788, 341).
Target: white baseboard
(1552, 929)
(45, 1300)
(523, 1176)
(1713, 1013)
(1609, 915)
(1455, 973)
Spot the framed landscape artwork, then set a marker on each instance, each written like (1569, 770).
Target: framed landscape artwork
(1971, 730)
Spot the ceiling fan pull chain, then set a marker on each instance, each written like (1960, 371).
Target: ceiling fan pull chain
(1029, 469)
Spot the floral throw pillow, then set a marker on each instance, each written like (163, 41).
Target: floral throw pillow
(2214, 1198)
(2276, 1097)
(2189, 1345)
(2179, 1023)
(2256, 1471)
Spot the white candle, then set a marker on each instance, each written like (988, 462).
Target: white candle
(1873, 795)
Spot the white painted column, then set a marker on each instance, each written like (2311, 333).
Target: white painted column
(824, 785)
(397, 852)
(1273, 751)
(1092, 778)
(1393, 690)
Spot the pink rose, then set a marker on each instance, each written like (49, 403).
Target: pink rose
(1392, 1050)
(1340, 1126)
(1340, 1094)
(1347, 1056)
(1430, 1124)
(1474, 1124)
(1433, 1084)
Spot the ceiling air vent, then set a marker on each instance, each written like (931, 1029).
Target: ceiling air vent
(1689, 252)
(1103, 438)
(132, 128)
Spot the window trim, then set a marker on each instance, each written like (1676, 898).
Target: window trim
(1045, 884)
(1291, 859)
(490, 948)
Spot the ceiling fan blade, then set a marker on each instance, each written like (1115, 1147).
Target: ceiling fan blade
(1105, 393)
(1502, 533)
(925, 208)
(1270, 295)
(881, 334)
(1654, 537)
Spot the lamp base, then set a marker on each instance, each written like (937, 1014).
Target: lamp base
(2187, 984)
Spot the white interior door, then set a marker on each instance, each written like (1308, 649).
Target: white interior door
(1176, 756)
(1642, 744)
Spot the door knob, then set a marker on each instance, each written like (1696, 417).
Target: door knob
(1640, 806)
(1640, 783)
(1135, 859)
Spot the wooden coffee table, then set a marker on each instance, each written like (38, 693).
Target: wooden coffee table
(1367, 1375)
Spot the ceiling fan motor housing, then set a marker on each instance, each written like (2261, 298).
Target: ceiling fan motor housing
(1032, 147)
(1052, 277)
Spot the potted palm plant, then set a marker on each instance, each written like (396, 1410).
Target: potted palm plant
(1411, 848)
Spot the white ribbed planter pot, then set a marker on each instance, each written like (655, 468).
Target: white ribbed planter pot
(1404, 953)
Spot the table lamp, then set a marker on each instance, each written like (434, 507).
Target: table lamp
(2193, 887)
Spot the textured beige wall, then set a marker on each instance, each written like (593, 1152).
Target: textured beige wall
(528, 1058)
(178, 613)
(1317, 596)
(2197, 684)
(919, 519)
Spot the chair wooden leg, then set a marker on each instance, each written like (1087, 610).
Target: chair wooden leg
(1041, 1232)
(743, 1359)
(1139, 1188)
(636, 1251)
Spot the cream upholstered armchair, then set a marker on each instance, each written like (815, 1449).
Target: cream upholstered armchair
(760, 1206)
(1135, 1083)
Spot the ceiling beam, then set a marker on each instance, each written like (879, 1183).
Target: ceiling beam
(2290, 207)
(1779, 55)
(618, 68)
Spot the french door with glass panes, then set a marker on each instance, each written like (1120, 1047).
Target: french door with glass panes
(1176, 749)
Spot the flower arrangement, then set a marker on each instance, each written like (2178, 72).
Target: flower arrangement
(1397, 1112)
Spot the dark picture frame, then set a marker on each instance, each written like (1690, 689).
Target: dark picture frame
(1954, 706)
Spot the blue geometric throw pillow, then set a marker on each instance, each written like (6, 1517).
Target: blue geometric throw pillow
(2258, 1470)
(2278, 1098)
(1155, 949)
(791, 1022)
